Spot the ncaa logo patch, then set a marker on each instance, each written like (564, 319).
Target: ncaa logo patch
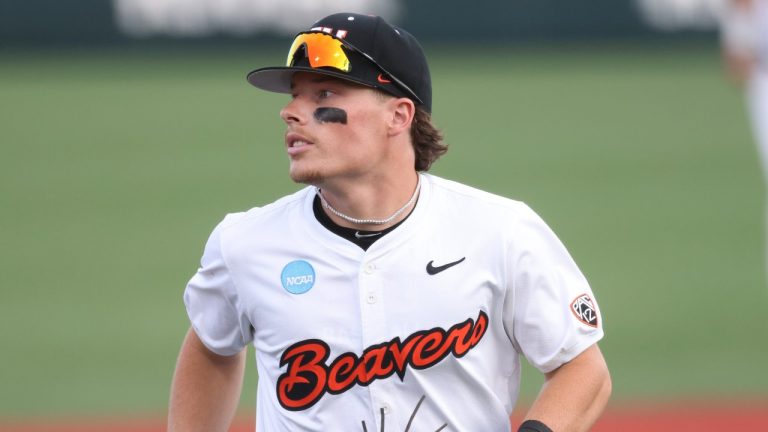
(584, 310)
(298, 277)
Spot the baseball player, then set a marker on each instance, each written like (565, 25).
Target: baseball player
(379, 297)
(745, 50)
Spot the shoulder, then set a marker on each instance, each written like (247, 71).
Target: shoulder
(473, 200)
(274, 211)
(486, 215)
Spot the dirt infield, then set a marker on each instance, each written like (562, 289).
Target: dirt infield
(678, 418)
(686, 418)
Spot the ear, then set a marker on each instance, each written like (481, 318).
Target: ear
(402, 113)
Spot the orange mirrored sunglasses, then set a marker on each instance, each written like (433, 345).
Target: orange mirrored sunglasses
(322, 50)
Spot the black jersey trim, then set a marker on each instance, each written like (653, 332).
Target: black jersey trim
(362, 238)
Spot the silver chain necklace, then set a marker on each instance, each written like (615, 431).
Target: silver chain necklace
(371, 221)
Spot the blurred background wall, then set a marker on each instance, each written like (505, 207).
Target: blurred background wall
(115, 22)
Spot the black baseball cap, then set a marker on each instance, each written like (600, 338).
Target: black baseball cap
(363, 49)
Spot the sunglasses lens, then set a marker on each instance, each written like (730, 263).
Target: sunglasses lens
(321, 49)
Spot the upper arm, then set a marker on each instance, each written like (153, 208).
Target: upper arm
(194, 347)
(589, 363)
(574, 394)
(206, 387)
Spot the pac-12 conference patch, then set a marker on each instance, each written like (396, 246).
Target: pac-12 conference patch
(585, 310)
(298, 277)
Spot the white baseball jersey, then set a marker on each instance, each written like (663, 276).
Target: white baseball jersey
(757, 88)
(744, 30)
(761, 14)
(422, 330)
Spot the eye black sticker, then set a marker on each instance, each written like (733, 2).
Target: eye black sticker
(331, 115)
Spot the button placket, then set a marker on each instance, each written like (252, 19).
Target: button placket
(372, 280)
(371, 295)
(369, 270)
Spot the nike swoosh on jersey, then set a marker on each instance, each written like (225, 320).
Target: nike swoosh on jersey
(433, 270)
(362, 236)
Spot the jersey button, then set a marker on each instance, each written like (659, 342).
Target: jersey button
(369, 268)
(387, 409)
(371, 298)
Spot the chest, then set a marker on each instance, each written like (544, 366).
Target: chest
(353, 302)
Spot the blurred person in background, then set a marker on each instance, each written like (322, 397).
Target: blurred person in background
(744, 37)
(380, 297)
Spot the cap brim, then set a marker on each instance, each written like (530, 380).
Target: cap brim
(278, 79)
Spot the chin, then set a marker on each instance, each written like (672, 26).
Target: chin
(306, 176)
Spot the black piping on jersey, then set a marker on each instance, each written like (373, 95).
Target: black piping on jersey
(364, 239)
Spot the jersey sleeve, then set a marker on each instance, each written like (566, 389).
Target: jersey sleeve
(212, 302)
(551, 314)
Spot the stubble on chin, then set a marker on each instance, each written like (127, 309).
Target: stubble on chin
(307, 177)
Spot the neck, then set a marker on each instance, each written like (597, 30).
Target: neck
(371, 206)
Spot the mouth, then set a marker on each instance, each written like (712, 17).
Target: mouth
(296, 143)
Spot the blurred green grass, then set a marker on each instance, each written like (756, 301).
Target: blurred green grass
(115, 166)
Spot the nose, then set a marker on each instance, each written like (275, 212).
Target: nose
(293, 112)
